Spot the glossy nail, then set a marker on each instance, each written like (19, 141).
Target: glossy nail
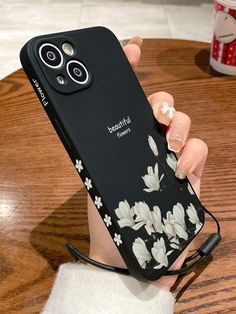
(183, 167)
(175, 142)
(164, 113)
(136, 40)
(180, 173)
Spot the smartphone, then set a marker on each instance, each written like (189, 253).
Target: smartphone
(101, 114)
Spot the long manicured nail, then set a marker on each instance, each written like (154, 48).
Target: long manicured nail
(136, 40)
(183, 167)
(164, 113)
(175, 138)
(180, 173)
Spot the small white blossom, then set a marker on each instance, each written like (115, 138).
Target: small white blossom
(117, 239)
(168, 109)
(88, 183)
(151, 179)
(78, 165)
(152, 145)
(159, 253)
(98, 202)
(107, 220)
(140, 251)
(171, 161)
(193, 217)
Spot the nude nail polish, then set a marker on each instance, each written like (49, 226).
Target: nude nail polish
(164, 113)
(180, 173)
(175, 143)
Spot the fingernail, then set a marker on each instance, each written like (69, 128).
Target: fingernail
(136, 40)
(175, 143)
(183, 167)
(164, 113)
(180, 173)
(175, 138)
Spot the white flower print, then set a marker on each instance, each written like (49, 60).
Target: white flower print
(144, 216)
(141, 252)
(98, 202)
(174, 243)
(190, 189)
(88, 183)
(151, 179)
(168, 109)
(117, 239)
(193, 217)
(156, 216)
(152, 145)
(174, 225)
(171, 161)
(159, 253)
(78, 165)
(125, 214)
(107, 220)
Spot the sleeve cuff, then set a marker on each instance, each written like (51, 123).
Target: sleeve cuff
(82, 288)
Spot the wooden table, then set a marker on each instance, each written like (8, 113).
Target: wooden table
(43, 201)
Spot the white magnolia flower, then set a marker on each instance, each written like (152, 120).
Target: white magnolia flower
(107, 220)
(98, 202)
(144, 216)
(174, 243)
(159, 253)
(151, 179)
(193, 217)
(171, 161)
(156, 216)
(174, 225)
(168, 109)
(190, 189)
(117, 239)
(88, 183)
(152, 145)
(140, 251)
(125, 214)
(78, 165)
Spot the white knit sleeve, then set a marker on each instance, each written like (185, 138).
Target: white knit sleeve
(84, 289)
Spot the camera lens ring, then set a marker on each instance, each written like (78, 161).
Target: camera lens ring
(57, 49)
(83, 67)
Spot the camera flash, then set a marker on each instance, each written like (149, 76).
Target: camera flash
(68, 49)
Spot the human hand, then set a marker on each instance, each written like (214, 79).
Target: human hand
(192, 154)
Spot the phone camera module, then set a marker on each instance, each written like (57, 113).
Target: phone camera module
(51, 56)
(77, 72)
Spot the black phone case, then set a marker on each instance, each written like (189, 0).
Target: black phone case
(119, 151)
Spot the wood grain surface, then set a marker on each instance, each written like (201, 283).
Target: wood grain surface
(43, 201)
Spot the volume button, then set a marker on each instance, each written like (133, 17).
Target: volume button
(60, 131)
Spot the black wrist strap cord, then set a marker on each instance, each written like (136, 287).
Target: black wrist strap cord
(198, 257)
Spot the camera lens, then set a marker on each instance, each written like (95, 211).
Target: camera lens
(51, 55)
(77, 72)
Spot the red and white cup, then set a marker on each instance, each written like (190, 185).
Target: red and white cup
(223, 48)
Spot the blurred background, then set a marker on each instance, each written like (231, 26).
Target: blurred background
(22, 19)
